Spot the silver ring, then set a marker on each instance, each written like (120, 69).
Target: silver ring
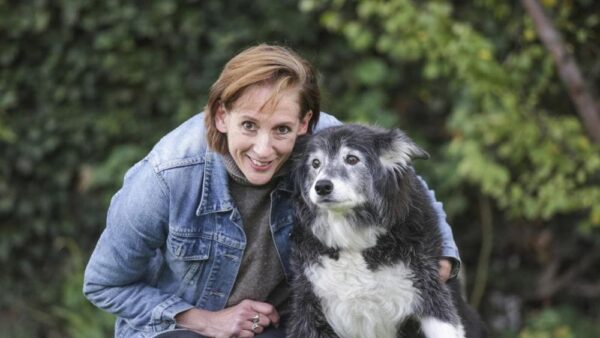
(254, 326)
(256, 318)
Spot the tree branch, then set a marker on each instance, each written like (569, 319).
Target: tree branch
(587, 108)
(586, 290)
(551, 282)
(487, 243)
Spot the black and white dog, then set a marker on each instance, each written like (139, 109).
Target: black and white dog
(366, 245)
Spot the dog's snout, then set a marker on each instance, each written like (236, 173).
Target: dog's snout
(324, 187)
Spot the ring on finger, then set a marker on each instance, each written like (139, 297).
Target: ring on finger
(255, 325)
(256, 318)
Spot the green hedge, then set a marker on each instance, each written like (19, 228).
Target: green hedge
(88, 86)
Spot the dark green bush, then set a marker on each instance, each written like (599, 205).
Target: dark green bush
(88, 86)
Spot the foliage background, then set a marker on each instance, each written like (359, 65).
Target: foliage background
(88, 86)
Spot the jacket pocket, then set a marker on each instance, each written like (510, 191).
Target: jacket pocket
(189, 248)
(189, 254)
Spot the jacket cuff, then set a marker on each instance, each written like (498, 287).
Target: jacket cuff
(163, 315)
(451, 253)
(455, 266)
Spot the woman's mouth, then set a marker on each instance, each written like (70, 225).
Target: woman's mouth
(260, 165)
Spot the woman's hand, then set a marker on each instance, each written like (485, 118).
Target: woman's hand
(445, 269)
(235, 321)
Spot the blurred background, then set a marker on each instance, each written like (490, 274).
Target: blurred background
(88, 86)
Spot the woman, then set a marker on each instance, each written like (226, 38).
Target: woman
(198, 236)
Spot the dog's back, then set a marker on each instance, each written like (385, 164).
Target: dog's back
(367, 244)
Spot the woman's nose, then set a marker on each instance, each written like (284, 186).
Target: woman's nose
(263, 146)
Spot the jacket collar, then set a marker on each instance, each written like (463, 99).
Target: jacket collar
(215, 187)
(286, 184)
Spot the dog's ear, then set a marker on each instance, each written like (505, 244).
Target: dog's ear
(399, 150)
(300, 146)
(298, 160)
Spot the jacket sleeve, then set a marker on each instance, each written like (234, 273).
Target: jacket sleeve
(449, 248)
(136, 229)
(326, 120)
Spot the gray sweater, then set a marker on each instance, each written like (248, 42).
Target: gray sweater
(261, 275)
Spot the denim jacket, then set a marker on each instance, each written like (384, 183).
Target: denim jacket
(174, 240)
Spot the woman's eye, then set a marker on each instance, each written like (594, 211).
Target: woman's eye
(316, 163)
(283, 130)
(247, 125)
(351, 159)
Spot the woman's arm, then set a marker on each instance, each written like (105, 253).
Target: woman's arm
(449, 248)
(136, 228)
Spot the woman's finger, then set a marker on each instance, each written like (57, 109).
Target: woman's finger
(268, 311)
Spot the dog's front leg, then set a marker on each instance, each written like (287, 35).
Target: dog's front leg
(307, 320)
(439, 317)
(436, 328)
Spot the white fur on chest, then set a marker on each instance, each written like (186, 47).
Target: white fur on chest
(337, 231)
(361, 303)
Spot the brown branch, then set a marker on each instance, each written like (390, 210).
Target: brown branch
(586, 290)
(587, 108)
(487, 243)
(551, 282)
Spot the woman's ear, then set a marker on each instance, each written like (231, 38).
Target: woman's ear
(304, 123)
(221, 117)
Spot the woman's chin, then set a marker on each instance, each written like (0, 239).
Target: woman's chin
(259, 178)
(259, 175)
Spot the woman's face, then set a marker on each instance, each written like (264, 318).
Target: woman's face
(261, 141)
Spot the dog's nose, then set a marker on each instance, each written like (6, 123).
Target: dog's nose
(324, 187)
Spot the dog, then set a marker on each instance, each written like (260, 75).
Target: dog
(366, 245)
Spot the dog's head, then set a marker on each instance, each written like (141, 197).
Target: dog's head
(343, 168)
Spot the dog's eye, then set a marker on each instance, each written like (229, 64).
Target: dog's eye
(351, 159)
(316, 163)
